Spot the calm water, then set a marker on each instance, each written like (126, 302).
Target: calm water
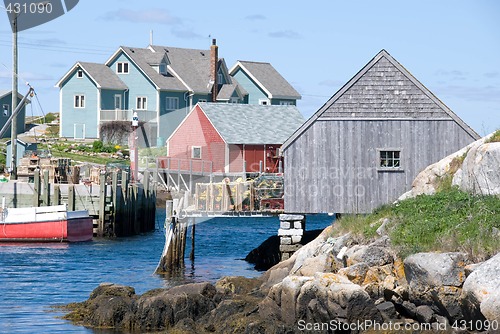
(34, 277)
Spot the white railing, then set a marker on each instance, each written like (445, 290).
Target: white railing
(126, 115)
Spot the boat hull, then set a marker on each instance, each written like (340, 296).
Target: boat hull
(46, 224)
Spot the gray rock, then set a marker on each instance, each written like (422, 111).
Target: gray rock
(490, 308)
(424, 314)
(480, 293)
(480, 174)
(371, 255)
(429, 270)
(388, 311)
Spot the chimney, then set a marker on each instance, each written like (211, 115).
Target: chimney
(214, 59)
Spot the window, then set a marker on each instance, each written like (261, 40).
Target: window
(264, 102)
(79, 74)
(234, 100)
(202, 100)
(122, 68)
(390, 159)
(162, 69)
(220, 78)
(79, 101)
(118, 102)
(286, 103)
(6, 110)
(172, 103)
(142, 103)
(196, 152)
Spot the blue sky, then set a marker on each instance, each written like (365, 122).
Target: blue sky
(451, 46)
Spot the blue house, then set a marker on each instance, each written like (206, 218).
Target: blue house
(162, 84)
(6, 104)
(264, 84)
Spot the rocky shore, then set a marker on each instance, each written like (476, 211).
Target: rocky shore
(368, 284)
(337, 283)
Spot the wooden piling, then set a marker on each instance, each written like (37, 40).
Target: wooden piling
(193, 231)
(36, 189)
(46, 189)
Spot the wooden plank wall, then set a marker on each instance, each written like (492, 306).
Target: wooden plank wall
(332, 166)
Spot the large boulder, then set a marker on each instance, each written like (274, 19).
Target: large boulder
(479, 174)
(323, 297)
(436, 279)
(430, 270)
(481, 293)
(428, 180)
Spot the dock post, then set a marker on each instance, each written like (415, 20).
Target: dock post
(71, 197)
(193, 229)
(46, 188)
(57, 195)
(115, 209)
(102, 204)
(36, 187)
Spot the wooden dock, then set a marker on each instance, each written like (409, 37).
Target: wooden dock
(119, 208)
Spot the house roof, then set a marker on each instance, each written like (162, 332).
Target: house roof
(4, 93)
(144, 58)
(267, 78)
(253, 124)
(103, 76)
(344, 104)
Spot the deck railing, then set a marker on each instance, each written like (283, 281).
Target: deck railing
(126, 115)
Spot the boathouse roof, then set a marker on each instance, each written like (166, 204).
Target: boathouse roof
(253, 124)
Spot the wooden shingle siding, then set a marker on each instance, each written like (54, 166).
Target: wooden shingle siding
(335, 163)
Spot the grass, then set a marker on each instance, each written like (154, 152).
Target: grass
(495, 138)
(448, 221)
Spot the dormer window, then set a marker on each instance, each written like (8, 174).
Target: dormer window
(122, 68)
(79, 74)
(163, 69)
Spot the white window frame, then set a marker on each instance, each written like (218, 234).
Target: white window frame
(79, 74)
(394, 164)
(168, 103)
(118, 97)
(193, 148)
(79, 101)
(122, 67)
(6, 111)
(234, 100)
(141, 103)
(264, 102)
(286, 103)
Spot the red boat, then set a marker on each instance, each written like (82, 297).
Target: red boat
(47, 224)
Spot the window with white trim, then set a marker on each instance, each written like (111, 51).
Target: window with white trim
(286, 103)
(390, 159)
(234, 100)
(142, 103)
(196, 152)
(172, 103)
(202, 100)
(79, 74)
(79, 101)
(6, 110)
(122, 68)
(264, 102)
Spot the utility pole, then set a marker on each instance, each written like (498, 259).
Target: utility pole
(13, 131)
